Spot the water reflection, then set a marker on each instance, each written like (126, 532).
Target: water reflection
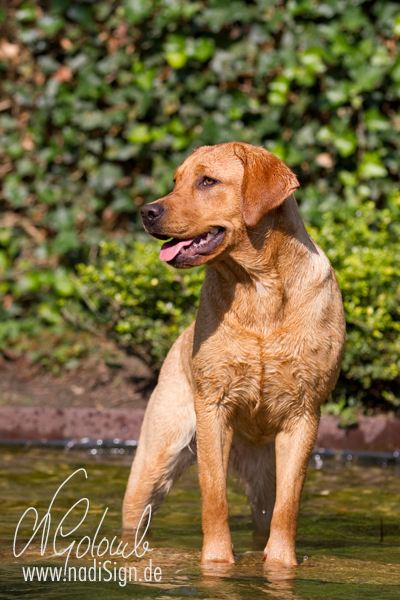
(349, 528)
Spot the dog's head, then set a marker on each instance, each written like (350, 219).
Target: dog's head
(220, 191)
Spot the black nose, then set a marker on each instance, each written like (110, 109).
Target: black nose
(151, 213)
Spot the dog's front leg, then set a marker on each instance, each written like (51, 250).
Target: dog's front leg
(214, 439)
(293, 448)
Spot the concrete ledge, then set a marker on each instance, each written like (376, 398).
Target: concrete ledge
(69, 423)
(379, 434)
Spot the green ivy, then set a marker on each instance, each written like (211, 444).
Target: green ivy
(363, 245)
(101, 100)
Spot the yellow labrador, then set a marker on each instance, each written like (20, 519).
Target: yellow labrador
(263, 355)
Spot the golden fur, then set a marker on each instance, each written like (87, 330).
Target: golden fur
(263, 355)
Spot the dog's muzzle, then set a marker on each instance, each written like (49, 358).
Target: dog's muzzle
(151, 214)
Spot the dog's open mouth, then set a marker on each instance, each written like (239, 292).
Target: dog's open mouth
(189, 249)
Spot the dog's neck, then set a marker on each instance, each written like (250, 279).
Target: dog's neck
(262, 273)
(267, 251)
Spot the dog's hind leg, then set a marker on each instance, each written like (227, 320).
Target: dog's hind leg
(165, 443)
(256, 471)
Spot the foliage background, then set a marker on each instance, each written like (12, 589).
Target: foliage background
(101, 100)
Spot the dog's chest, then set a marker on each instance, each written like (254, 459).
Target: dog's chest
(257, 384)
(235, 375)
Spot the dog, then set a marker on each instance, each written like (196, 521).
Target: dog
(264, 353)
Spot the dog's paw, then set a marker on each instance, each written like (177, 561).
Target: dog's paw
(279, 558)
(217, 555)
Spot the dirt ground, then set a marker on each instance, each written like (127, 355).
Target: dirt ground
(123, 382)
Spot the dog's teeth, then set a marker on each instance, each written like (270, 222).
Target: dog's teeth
(209, 236)
(214, 231)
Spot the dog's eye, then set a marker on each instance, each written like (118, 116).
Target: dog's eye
(207, 182)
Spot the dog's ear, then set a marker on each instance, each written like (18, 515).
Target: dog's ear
(267, 182)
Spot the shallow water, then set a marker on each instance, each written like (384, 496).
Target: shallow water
(348, 542)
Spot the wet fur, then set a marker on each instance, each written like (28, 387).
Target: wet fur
(263, 355)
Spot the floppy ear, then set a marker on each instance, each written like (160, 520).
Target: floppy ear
(267, 182)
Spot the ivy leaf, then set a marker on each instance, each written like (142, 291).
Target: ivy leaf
(175, 51)
(375, 121)
(140, 134)
(371, 166)
(203, 49)
(346, 144)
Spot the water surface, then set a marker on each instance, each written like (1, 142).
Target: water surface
(348, 543)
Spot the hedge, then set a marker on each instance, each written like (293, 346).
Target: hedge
(101, 100)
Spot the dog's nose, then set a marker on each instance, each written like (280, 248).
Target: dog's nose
(151, 213)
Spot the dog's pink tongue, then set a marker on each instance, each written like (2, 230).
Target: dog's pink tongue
(170, 249)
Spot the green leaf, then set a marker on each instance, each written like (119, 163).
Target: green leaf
(325, 134)
(4, 262)
(82, 14)
(106, 177)
(371, 166)
(338, 94)
(348, 178)
(375, 121)
(312, 60)
(137, 10)
(65, 241)
(50, 24)
(15, 191)
(176, 54)
(176, 58)
(346, 144)
(203, 49)
(63, 284)
(279, 89)
(145, 80)
(396, 26)
(26, 12)
(140, 134)
(49, 314)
